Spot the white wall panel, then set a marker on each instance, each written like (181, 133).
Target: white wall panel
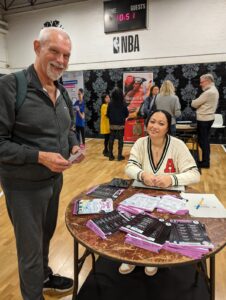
(3, 54)
(179, 31)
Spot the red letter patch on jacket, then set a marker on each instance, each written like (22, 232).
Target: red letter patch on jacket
(170, 166)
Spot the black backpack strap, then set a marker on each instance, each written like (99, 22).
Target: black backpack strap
(68, 102)
(21, 88)
(21, 92)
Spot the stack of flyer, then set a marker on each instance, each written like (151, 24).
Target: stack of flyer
(140, 202)
(189, 238)
(186, 237)
(173, 205)
(105, 191)
(109, 223)
(147, 232)
(92, 206)
(111, 190)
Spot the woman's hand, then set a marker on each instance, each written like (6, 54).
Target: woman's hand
(162, 181)
(156, 180)
(148, 178)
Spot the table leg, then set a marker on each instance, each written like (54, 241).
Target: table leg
(93, 262)
(78, 263)
(76, 272)
(212, 277)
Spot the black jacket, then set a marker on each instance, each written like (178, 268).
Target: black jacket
(37, 126)
(117, 114)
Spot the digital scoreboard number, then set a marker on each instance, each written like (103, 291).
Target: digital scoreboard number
(125, 15)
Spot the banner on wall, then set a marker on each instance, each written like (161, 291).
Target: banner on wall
(134, 129)
(73, 81)
(136, 87)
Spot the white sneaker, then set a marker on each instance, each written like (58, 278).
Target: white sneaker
(150, 271)
(126, 269)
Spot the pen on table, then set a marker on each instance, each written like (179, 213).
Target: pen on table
(200, 203)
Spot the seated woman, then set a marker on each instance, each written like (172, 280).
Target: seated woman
(160, 160)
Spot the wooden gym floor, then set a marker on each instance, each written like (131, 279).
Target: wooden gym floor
(93, 170)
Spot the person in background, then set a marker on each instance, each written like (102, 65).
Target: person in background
(149, 102)
(104, 123)
(206, 105)
(117, 113)
(160, 160)
(79, 107)
(168, 101)
(35, 144)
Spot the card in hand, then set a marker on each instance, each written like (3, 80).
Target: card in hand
(77, 157)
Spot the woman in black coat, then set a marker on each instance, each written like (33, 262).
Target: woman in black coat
(117, 113)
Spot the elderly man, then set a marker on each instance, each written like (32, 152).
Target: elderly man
(35, 143)
(206, 105)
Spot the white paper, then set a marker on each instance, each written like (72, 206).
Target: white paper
(171, 203)
(211, 206)
(142, 201)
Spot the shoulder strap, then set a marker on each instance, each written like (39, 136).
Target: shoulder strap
(21, 88)
(68, 102)
(21, 92)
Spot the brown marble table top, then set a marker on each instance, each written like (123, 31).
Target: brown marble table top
(115, 248)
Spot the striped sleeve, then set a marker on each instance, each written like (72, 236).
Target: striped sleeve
(134, 166)
(188, 172)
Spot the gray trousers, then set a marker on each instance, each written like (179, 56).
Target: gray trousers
(33, 213)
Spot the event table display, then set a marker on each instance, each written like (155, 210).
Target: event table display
(115, 248)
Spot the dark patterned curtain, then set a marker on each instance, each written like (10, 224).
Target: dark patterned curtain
(184, 77)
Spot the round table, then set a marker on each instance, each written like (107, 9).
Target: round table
(115, 248)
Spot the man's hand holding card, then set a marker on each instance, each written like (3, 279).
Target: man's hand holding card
(77, 156)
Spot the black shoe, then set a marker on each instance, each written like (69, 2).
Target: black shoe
(106, 153)
(111, 157)
(121, 157)
(58, 283)
(203, 165)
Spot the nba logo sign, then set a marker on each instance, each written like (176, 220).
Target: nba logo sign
(116, 44)
(126, 44)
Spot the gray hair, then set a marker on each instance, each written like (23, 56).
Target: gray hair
(207, 76)
(47, 31)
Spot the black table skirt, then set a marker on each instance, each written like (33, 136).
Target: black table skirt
(168, 284)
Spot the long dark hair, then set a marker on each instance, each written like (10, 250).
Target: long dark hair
(104, 95)
(167, 115)
(117, 96)
(151, 89)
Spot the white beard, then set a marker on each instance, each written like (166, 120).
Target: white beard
(53, 75)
